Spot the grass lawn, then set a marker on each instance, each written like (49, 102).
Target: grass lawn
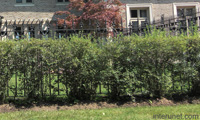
(134, 113)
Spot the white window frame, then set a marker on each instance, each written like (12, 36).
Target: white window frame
(185, 4)
(62, 3)
(185, 10)
(138, 6)
(24, 3)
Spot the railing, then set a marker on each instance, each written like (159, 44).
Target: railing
(51, 29)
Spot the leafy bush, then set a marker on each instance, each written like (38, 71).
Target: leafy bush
(157, 64)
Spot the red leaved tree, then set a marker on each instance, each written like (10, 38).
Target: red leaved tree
(91, 12)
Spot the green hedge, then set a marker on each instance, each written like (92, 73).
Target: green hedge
(156, 63)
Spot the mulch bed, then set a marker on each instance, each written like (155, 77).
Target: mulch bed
(95, 105)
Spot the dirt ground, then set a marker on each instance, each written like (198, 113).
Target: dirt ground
(96, 105)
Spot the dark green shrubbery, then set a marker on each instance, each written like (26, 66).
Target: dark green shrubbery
(156, 63)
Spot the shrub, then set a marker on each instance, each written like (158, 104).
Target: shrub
(157, 64)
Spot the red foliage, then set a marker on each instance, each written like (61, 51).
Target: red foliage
(100, 10)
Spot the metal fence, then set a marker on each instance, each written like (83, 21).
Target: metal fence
(52, 29)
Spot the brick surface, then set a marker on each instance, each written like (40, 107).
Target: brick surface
(45, 9)
(42, 9)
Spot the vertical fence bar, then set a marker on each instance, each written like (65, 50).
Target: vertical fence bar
(66, 81)
(172, 70)
(58, 77)
(99, 87)
(16, 74)
(113, 29)
(122, 23)
(7, 88)
(188, 78)
(24, 72)
(189, 84)
(49, 82)
(181, 83)
(7, 84)
(42, 76)
(106, 29)
(141, 86)
(169, 26)
(91, 84)
(108, 89)
(24, 83)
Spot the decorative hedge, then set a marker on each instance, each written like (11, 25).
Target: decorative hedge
(159, 65)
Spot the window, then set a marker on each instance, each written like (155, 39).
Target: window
(60, 1)
(24, 3)
(134, 13)
(185, 9)
(18, 1)
(188, 11)
(63, 1)
(138, 14)
(138, 17)
(29, 1)
(85, 1)
(143, 13)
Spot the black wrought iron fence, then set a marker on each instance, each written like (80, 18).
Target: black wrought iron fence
(52, 29)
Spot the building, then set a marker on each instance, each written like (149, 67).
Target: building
(153, 10)
(30, 17)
